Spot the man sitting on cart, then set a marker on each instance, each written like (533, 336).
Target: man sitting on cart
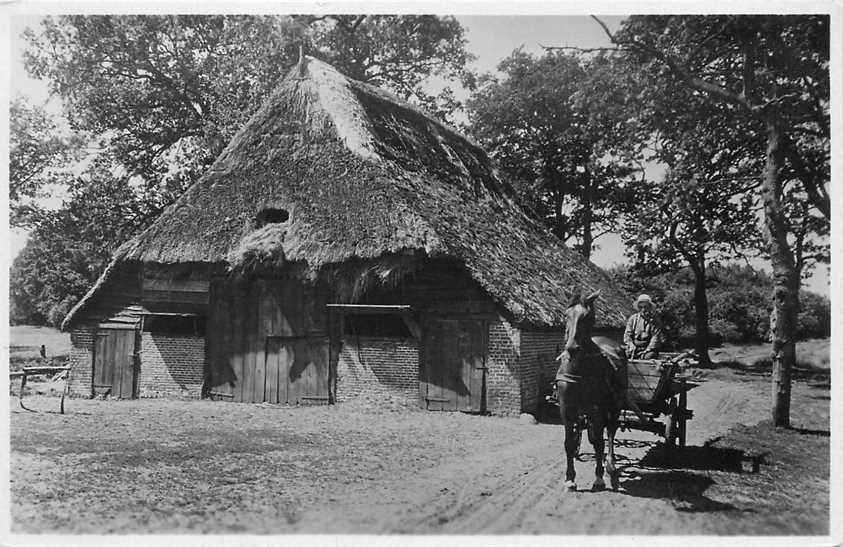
(643, 335)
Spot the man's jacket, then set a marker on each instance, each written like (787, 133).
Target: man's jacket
(643, 334)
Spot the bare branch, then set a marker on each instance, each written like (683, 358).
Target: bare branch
(579, 49)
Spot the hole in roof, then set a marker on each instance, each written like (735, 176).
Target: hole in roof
(271, 215)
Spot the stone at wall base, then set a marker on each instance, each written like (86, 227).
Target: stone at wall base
(527, 418)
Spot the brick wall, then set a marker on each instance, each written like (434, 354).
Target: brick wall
(503, 385)
(371, 365)
(81, 360)
(537, 364)
(171, 365)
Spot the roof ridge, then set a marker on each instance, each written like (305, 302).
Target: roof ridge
(352, 124)
(382, 94)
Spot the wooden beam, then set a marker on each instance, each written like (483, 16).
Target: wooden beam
(171, 314)
(370, 308)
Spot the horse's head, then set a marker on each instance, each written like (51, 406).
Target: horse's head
(579, 320)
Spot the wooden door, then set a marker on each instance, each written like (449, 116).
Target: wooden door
(114, 362)
(296, 370)
(454, 369)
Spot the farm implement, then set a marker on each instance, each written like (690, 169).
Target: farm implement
(58, 374)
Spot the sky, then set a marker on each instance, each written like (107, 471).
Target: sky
(490, 38)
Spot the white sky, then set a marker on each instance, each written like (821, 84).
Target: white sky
(490, 39)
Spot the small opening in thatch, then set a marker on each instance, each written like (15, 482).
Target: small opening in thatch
(271, 215)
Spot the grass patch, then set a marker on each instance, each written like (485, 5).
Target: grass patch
(26, 340)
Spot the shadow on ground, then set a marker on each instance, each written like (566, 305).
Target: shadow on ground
(705, 458)
(812, 432)
(685, 490)
(681, 482)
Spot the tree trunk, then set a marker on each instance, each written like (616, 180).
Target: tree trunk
(587, 218)
(587, 239)
(785, 276)
(701, 315)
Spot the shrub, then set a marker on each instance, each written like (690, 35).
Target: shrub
(738, 304)
(725, 331)
(814, 316)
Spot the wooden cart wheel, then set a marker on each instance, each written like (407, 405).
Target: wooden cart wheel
(578, 433)
(682, 412)
(670, 430)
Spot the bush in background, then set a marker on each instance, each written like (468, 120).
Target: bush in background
(738, 304)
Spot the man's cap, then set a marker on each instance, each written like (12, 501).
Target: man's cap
(643, 298)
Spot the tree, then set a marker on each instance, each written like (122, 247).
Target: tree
(768, 74)
(704, 211)
(398, 53)
(69, 247)
(545, 123)
(37, 154)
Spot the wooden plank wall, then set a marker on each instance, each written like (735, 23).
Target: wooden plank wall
(261, 332)
(176, 287)
(170, 288)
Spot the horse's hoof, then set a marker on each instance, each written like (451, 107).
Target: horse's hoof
(598, 486)
(570, 486)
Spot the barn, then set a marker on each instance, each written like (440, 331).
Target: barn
(344, 243)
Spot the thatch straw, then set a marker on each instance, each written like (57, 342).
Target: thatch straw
(366, 177)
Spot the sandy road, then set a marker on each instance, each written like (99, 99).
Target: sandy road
(363, 467)
(518, 489)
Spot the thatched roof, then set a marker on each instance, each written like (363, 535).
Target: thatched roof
(364, 175)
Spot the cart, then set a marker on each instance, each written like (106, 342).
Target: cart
(661, 396)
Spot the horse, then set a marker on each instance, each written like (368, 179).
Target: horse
(592, 381)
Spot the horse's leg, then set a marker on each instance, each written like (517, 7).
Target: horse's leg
(569, 419)
(611, 429)
(596, 426)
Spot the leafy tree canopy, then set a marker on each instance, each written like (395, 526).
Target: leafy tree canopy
(69, 247)
(749, 67)
(551, 124)
(38, 151)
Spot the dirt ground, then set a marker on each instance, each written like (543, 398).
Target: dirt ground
(155, 466)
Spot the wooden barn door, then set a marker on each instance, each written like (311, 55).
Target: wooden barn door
(267, 342)
(114, 362)
(454, 369)
(296, 370)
